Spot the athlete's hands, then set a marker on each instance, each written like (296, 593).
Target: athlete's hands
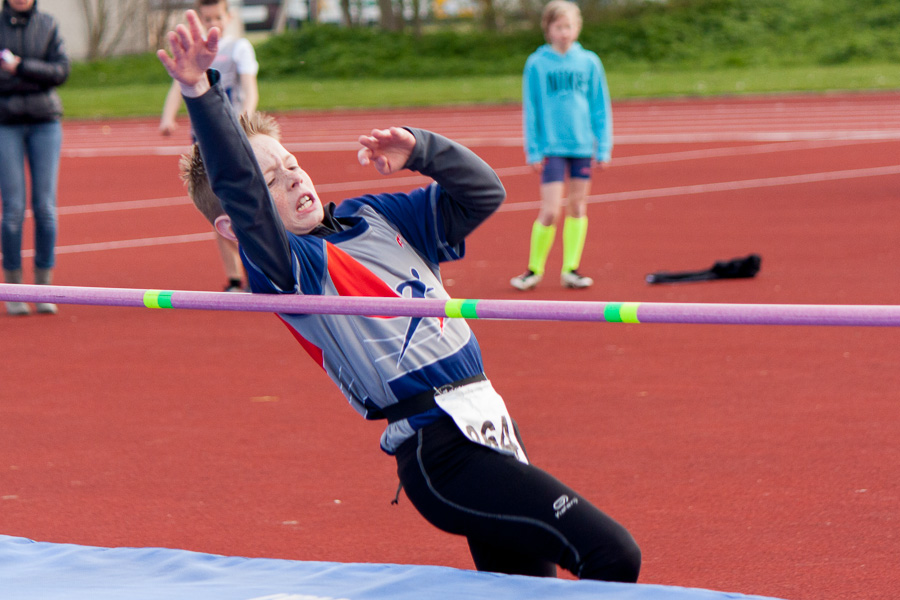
(387, 149)
(192, 54)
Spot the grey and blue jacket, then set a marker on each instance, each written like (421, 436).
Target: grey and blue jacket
(374, 245)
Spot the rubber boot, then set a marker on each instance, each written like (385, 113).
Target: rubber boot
(44, 277)
(16, 309)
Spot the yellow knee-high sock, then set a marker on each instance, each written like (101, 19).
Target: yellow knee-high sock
(541, 242)
(574, 236)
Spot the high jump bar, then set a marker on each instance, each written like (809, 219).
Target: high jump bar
(536, 310)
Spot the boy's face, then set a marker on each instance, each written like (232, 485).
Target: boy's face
(215, 15)
(293, 191)
(563, 32)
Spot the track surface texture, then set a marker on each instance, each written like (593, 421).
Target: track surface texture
(751, 459)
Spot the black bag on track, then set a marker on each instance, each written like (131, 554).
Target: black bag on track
(736, 268)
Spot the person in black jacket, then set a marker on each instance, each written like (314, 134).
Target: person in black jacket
(32, 65)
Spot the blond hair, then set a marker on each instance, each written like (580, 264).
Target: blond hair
(193, 171)
(557, 8)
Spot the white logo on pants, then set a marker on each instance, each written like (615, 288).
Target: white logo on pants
(562, 504)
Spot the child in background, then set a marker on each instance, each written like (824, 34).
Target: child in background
(236, 61)
(567, 122)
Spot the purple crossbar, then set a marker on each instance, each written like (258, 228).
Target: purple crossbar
(633, 312)
(770, 314)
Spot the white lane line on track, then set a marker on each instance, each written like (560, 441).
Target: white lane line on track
(757, 136)
(719, 134)
(706, 153)
(414, 180)
(519, 206)
(122, 205)
(726, 186)
(138, 243)
(618, 162)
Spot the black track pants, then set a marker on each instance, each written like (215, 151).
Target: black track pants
(517, 518)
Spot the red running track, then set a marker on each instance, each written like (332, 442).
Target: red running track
(760, 460)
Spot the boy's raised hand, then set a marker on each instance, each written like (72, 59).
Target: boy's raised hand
(192, 52)
(387, 149)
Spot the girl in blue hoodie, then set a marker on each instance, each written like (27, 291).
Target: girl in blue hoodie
(567, 122)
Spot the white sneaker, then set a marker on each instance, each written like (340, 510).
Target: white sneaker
(17, 309)
(46, 308)
(572, 279)
(526, 281)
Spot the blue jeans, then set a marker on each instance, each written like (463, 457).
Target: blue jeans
(41, 144)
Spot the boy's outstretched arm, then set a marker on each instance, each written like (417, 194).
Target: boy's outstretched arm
(472, 191)
(228, 158)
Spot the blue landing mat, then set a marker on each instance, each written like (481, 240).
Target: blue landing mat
(32, 570)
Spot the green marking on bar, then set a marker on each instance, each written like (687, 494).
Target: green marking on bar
(628, 312)
(621, 312)
(157, 299)
(461, 309)
(453, 308)
(150, 298)
(165, 299)
(611, 312)
(469, 309)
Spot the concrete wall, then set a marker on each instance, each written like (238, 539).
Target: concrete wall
(72, 19)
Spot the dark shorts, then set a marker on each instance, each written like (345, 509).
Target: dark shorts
(555, 168)
(517, 518)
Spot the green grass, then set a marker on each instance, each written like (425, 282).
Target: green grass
(649, 49)
(300, 94)
(295, 94)
(758, 80)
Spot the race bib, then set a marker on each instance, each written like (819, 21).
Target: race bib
(481, 415)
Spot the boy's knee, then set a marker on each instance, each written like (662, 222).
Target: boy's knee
(625, 568)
